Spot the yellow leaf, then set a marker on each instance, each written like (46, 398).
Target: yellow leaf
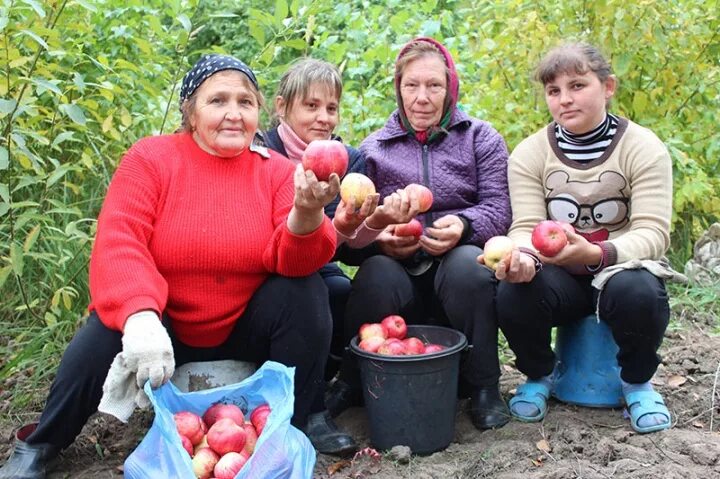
(676, 381)
(31, 237)
(67, 300)
(107, 124)
(125, 118)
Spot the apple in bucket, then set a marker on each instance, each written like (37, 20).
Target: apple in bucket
(369, 330)
(549, 238)
(413, 346)
(395, 326)
(357, 186)
(371, 344)
(497, 248)
(433, 348)
(392, 347)
(324, 157)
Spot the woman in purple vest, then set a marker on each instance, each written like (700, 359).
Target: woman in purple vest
(434, 278)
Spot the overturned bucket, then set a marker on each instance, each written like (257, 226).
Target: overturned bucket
(411, 400)
(588, 371)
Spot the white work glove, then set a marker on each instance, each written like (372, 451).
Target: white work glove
(147, 349)
(147, 354)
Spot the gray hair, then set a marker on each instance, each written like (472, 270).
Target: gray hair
(297, 80)
(575, 57)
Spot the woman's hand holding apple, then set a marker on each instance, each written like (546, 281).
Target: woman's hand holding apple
(518, 268)
(311, 196)
(399, 247)
(347, 218)
(443, 235)
(396, 209)
(578, 251)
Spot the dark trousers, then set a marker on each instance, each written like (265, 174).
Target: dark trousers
(456, 291)
(633, 303)
(338, 286)
(287, 320)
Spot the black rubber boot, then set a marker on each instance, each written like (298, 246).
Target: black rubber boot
(28, 461)
(340, 396)
(488, 409)
(326, 437)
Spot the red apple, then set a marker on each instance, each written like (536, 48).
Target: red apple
(220, 411)
(412, 228)
(324, 157)
(187, 445)
(259, 417)
(497, 248)
(230, 464)
(395, 326)
(392, 347)
(190, 425)
(424, 195)
(413, 346)
(433, 348)
(358, 186)
(203, 463)
(251, 436)
(371, 344)
(225, 436)
(548, 237)
(368, 330)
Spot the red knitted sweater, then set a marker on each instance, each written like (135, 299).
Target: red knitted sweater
(194, 235)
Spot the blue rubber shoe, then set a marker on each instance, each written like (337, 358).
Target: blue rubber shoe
(535, 393)
(640, 403)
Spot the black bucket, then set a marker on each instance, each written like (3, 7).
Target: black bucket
(411, 400)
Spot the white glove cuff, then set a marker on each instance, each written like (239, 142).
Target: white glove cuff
(142, 323)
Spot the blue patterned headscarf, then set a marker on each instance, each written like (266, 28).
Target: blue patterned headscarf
(207, 66)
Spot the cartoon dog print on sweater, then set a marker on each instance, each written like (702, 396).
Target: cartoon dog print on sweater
(594, 208)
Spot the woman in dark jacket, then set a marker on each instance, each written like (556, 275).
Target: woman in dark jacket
(307, 107)
(463, 161)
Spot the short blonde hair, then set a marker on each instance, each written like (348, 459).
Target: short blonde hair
(297, 80)
(188, 106)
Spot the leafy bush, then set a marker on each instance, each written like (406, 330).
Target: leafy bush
(83, 80)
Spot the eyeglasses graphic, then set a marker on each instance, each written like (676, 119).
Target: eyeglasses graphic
(610, 211)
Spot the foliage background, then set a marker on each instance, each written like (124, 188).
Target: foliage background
(81, 80)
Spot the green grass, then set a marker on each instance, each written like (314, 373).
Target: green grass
(699, 303)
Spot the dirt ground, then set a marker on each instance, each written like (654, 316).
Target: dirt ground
(572, 442)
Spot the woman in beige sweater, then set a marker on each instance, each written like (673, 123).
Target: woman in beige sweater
(611, 180)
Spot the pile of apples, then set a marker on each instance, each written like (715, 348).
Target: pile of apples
(389, 337)
(221, 441)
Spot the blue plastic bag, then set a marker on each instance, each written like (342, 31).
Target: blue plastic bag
(281, 452)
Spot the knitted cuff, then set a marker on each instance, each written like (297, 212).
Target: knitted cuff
(608, 258)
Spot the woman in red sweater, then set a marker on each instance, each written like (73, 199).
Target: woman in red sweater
(207, 248)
